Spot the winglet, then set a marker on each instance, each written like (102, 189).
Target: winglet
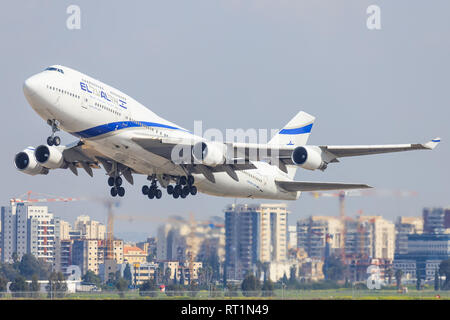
(432, 143)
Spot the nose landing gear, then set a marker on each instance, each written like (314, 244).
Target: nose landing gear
(53, 140)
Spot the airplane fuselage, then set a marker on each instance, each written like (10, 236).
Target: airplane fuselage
(106, 120)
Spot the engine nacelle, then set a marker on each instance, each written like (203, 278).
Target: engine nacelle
(49, 156)
(209, 153)
(308, 158)
(26, 163)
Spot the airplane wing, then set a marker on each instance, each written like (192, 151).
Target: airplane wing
(329, 154)
(242, 154)
(163, 147)
(318, 186)
(77, 155)
(350, 151)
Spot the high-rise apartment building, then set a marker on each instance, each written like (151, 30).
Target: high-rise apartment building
(292, 237)
(180, 238)
(312, 235)
(28, 229)
(90, 254)
(254, 233)
(370, 237)
(436, 220)
(90, 229)
(85, 254)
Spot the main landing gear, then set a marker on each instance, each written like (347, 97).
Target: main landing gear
(183, 187)
(53, 140)
(153, 191)
(116, 184)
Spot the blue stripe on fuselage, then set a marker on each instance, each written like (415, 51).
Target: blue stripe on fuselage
(305, 129)
(114, 126)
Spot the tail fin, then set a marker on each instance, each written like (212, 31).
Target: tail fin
(295, 133)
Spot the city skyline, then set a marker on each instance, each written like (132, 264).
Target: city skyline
(251, 57)
(249, 238)
(136, 219)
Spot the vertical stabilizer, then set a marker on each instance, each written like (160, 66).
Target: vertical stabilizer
(295, 133)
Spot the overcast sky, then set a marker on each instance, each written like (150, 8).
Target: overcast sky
(244, 64)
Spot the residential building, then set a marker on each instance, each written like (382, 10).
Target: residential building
(311, 269)
(425, 253)
(133, 255)
(312, 235)
(27, 229)
(292, 237)
(65, 259)
(405, 226)
(142, 272)
(181, 239)
(436, 220)
(85, 254)
(90, 229)
(370, 237)
(182, 270)
(254, 233)
(90, 254)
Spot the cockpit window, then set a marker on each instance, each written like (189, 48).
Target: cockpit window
(55, 69)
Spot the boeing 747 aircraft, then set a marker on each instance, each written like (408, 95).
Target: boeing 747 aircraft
(125, 138)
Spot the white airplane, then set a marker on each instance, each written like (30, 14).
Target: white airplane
(126, 138)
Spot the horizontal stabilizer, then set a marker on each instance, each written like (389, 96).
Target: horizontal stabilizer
(318, 186)
(432, 143)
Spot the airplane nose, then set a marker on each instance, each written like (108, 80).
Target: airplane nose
(30, 86)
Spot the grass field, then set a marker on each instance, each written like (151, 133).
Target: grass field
(339, 294)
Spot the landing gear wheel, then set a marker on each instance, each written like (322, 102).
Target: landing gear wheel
(56, 141)
(193, 190)
(177, 189)
(190, 180)
(169, 189)
(145, 190)
(185, 191)
(150, 195)
(158, 194)
(175, 195)
(113, 191)
(183, 195)
(110, 181)
(121, 191)
(183, 180)
(118, 181)
(151, 192)
(50, 141)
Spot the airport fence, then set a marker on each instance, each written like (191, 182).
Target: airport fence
(279, 294)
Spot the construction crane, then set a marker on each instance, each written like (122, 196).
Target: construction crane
(45, 198)
(109, 204)
(342, 195)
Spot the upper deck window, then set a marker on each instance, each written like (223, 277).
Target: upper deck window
(55, 69)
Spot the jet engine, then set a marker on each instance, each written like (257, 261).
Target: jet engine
(50, 157)
(26, 163)
(209, 153)
(308, 158)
